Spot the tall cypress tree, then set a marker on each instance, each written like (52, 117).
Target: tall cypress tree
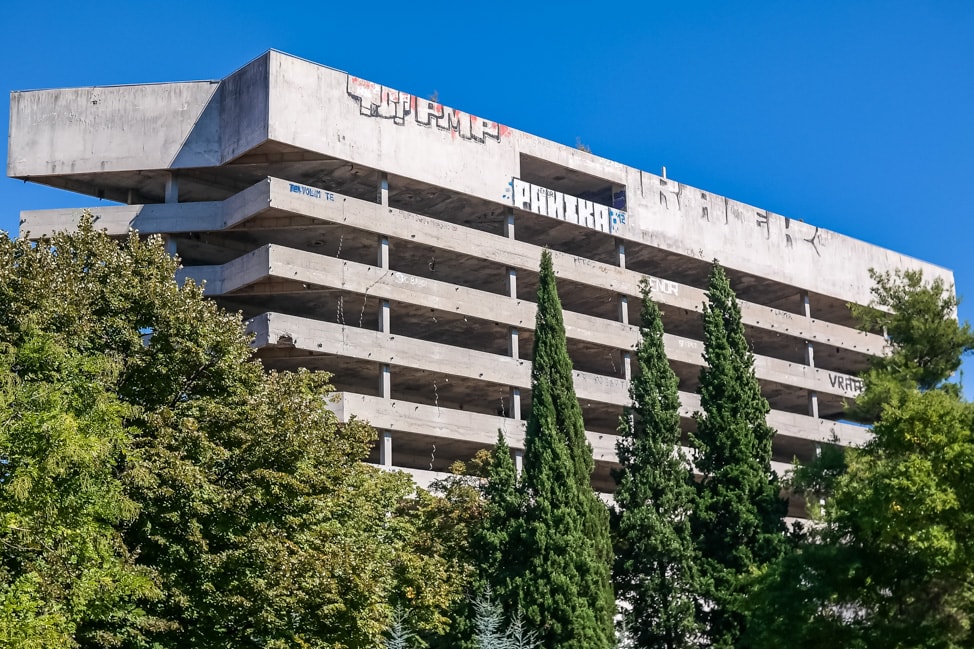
(565, 591)
(655, 570)
(738, 518)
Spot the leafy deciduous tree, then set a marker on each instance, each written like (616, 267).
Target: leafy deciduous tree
(890, 563)
(188, 498)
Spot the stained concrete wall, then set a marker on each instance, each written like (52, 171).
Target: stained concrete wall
(291, 101)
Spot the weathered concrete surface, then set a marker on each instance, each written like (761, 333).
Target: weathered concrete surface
(305, 270)
(246, 210)
(274, 329)
(299, 105)
(388, 414)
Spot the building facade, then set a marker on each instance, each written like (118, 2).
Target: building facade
(395, 242)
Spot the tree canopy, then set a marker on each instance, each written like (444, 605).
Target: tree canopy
(891, 559)
(159, 487)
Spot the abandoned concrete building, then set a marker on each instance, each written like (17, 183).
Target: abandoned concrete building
(395, 242)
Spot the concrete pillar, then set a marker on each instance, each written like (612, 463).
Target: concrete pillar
(385, 448)
(621, 253)
(384, 317)
(512, 343)
(518, 461)
(512, 282)
(627, 365)
(170, 245)
(509, 224)
(172, 188)
(624, 309)
(809, 358)
(385, 381)
(382, 260)
(382, 196)
(515, 403)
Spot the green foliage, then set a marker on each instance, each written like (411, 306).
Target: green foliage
(65, 575)
(925, 341)
(497, 541)
(565, 591)
(489, 632)
(399, 635)
(890, 562)
(159, 486)
(655, 570)
(738, 517)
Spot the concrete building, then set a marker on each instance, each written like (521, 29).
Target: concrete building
(395, 242)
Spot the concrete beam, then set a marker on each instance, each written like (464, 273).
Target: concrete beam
(307, 270)
(273, 329)
(421, 419)
(242, 211)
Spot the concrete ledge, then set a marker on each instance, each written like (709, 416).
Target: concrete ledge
(307, 269)
(250, 208)
(318, 337)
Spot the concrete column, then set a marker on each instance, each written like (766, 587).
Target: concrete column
(385, 381)
(170, 244)
(382, 196)
(384, 317)
(385, 448)
(509, 224)
(172, 188)
(627, 365)
(812, 403)
(809, 358)
(806, 305)
(512, 343)
(515, 403)
(383, 257)
(518, 461)
(621, 253)
(624, 309)
(512, 282)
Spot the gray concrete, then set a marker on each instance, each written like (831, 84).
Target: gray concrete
(394, 242)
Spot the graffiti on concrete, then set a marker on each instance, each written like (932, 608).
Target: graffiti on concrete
(403, 108)
(664, 286)
(776, 229)
(846, 383)
(564, 207)
(312, 192)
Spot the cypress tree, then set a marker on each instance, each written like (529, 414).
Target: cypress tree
(655, 570)
(738, 518)
(565, 590)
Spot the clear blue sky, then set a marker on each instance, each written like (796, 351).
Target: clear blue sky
(856, 116)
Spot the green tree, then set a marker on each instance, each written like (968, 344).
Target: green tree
(238, 492)
(496, 544)
(65, 575)
(655, 570)
(737, 520)
(565, 589)
(926, 341)
(891, 560)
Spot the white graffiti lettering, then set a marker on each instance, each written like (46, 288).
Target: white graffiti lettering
(402, 108)
(564, 207)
